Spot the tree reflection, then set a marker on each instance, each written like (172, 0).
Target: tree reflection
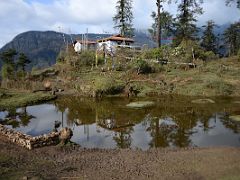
(18, 118)
(123, 138)
(229, 123)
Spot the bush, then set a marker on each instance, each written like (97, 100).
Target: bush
(184, 52)
(87, 58)
(207, 55)
(156, 53)
(143, 67)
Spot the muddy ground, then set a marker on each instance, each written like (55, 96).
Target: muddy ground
(77, 163)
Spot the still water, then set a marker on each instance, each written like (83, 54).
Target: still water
(109, 123)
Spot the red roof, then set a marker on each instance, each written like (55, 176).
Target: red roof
(87, 42)
(116, 38)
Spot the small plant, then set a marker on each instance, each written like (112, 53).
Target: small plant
(143, 67)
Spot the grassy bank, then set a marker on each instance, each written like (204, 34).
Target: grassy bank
(137, 77)
(11, 100)
(214, 78)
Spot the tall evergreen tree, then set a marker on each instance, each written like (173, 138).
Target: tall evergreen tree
(159, 21)
(232, 38)
(186, 28)
(124, 17)
(8, 67)
(209, 40)
(8, 56)
(166, 25)
(23, 61)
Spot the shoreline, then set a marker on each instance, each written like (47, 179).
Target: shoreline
(157, 163)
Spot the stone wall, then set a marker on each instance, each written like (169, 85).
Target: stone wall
(27, 141)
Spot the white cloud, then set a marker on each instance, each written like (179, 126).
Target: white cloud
(17, 16)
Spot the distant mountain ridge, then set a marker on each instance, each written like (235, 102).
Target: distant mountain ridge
(42, 48)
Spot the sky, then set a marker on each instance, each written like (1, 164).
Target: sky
(76, 16)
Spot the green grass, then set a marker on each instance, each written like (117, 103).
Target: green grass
(212, 78)
(14, 100)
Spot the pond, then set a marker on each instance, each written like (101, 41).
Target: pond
(110, 123)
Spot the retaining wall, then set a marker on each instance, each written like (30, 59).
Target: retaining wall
(27, 141)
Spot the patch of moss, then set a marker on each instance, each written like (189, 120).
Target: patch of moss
(203, 101)
(140, 104)
(24, 99)
(108, 86)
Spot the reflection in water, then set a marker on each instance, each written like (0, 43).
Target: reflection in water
(16, 118)
(173, 122)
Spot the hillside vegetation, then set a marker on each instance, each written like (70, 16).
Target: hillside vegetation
(140, 74)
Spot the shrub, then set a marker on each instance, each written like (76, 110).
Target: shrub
(156, 53)
(87, 58)
(207, 55)
(143, 67)
(185, 51)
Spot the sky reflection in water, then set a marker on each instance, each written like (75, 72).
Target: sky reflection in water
(173, 122)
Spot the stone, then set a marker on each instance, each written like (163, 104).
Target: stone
(27, 141)
(235, 118)
(203, 101)
(141, 104)
(65, 135)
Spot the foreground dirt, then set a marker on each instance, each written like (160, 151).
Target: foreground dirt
(79, 163)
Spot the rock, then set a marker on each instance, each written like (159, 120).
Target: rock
(235, 118)
(47, 85)
(203, 101)
(25, 178)
(141, 104)
(236, 102)
(65, 135)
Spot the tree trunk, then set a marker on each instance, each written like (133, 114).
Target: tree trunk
(159, 32)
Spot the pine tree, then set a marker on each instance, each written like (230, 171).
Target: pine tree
(23, 61)
(209, 40)
(166, 25)
(186, 28)
(8, 56)
(159, 21)
(8, 67)
(232, 38)
(124, 17)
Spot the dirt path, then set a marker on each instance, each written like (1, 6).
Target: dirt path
(79, 163)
